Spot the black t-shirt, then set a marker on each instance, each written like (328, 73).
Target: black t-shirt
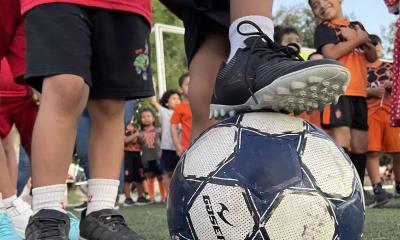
(324, 34)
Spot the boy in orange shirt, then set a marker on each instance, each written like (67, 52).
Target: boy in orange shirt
(338, 38)
(182, 115)
(382, 137)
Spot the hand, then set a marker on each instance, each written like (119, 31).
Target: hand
(386, 84)
(347, 33)
(377, 92)
(362, 35)
(35, 96)
(179, 150)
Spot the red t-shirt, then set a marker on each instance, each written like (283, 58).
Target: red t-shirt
(141, 7)
(9, 18)
(8, 87)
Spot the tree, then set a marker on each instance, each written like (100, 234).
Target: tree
(300, 17)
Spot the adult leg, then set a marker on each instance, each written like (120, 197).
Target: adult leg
(373, 167)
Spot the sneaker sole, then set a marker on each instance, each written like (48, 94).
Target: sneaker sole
(142, 204)
(305, 90)
(128, 205)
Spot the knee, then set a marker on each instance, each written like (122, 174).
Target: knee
(373, 155)
(106, 108)
(68, 92)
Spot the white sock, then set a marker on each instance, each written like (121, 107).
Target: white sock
(2, 206)
(49, 197)
(237, 40)
(102, 194)
(8, 201)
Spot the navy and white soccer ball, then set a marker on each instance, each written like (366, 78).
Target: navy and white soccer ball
(265, 176)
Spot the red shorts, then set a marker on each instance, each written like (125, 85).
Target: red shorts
(22, 112)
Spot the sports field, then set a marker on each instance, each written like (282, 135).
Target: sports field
(150, 221)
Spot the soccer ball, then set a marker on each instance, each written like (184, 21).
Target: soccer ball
(265, 175)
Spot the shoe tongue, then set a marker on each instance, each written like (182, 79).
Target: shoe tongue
(51, 214)
(259, 42)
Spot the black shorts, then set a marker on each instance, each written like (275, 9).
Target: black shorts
(169, 160)
(134, 170)
(109, 49)
(200, 18)
(154, 167)
(349, 112)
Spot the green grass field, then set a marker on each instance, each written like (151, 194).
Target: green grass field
(150, 221)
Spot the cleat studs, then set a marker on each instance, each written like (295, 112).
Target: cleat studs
(232, 113)
(282, 91)
(325, 84)
(335, 87)
(222, 112)
(314, 79)
(216, 113)
(298, 85)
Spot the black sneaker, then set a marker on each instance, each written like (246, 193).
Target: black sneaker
(129, 202)
(104, 225)
(265, 75)
(381, 197)
(369, 199)
(81, 207)
(142, 201)
(48, 224)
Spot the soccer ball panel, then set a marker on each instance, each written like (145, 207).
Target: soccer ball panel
(330, 170)
(209, 151)
(272, 123)
(301, 215)
(221, 212)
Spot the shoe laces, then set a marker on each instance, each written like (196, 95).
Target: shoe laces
(269, 49)
(116, 222)
(49, 228)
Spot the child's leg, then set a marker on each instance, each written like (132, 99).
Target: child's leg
(106, 143)
(203, 70)
(373, 167)
(150, 186)
(341, 135)
(10, 144)
(359, 149)
(7, 189)
(161, 187)
(127, 189)
(62, 101)
(167, 180)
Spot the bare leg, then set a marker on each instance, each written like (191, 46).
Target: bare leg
(341, 135)
(359, 141)
(203, 71)
(63, 99)
(11, 143)
(7, 189)
(240, 8)
(127, 190)
(106, 139)
(396, 166)
(373, 167)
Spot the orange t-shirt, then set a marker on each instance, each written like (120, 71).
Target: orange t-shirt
(328, 33)
(183, 115)
(376, 75)
(132, 146)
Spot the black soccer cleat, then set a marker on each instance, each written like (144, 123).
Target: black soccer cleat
(104, 225)
(48, 224)
(265, 75)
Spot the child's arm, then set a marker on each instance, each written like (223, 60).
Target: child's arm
(354, 38)
(153, 100)
(370, 52)
(375, 92)
(175, 139)
(131, 138)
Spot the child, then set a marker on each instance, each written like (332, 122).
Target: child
(150, 138)
(134, 170)
(169, 100)
(337, 38)
(182, 115)
(382, 137)
(394, 7)
(239, 33)
(83, 53)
